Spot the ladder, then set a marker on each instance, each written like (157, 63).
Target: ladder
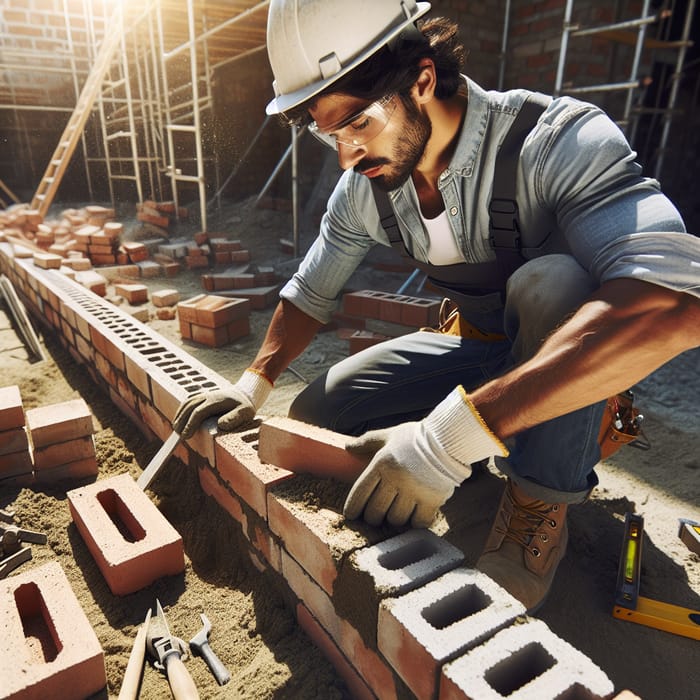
(632, 32)
(43, 197)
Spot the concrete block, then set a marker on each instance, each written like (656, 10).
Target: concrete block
(524, 662)
(238, 464)
(131, 541)
(420, 631)
(405, 562)
(48, 648)
(300, 447)
(59, 422)
(11, 408)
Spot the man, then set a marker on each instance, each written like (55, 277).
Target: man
(602, 292)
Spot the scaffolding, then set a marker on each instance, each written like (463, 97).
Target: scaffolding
(141, 76)
(633, 33)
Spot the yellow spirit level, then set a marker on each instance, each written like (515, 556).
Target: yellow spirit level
(631, 606)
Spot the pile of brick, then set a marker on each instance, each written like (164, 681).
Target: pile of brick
(213, 320)
(160, 214)
(15, 455)
(47, 443)
(369, 317)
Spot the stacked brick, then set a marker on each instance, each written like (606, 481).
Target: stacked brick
(76, 242)
(159, 214)
(62, 436)
(369, 317)
(45, 444)
(213, 320)
(441, 614)
(15, 453)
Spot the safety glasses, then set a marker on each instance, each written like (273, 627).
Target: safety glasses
(360, 128)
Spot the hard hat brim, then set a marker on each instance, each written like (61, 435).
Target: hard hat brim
(283, 103)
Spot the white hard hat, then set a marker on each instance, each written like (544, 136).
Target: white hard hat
(313, 43)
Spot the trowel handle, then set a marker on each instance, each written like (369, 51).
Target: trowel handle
(215, 665)
(181, 682)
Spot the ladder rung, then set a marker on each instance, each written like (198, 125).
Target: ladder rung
(118, 135)
(181, 127)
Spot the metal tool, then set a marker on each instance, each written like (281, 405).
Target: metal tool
(7, 516)
(14, 560)
(199, 644)
(132, 675)
(167, 652)
(631, 606)
(158, 461)
(11, 538)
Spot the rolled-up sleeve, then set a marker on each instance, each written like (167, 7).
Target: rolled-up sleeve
(617, 222)
(340, 247)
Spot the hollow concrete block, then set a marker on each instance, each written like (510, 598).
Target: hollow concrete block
(524, 662)
(429, 626)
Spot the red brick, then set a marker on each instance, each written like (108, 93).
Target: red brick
(357, 687)
(48, 261)
(78, 469)
(64, 452)
(238, 464)
(371, 667)
(165, 297)
(59, 422)
(16, 464)
(149, 548)
(214, 311)
(133, 293)
(360, 340)
(47, 644)
(14, 440)
(300, 447)
(11, 408)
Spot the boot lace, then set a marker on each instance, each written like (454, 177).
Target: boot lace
(527, 519)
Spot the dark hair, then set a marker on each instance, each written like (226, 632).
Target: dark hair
(396, 68)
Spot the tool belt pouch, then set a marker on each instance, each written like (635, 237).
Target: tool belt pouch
(451, 322)
(620, 424)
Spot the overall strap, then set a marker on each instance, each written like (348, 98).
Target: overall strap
(504, 223)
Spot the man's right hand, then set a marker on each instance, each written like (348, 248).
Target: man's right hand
(236, 405)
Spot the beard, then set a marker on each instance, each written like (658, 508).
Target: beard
(407, 151)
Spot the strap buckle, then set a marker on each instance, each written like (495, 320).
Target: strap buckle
(504, 226)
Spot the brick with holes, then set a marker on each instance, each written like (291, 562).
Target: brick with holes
(131, 541)
(425, 628)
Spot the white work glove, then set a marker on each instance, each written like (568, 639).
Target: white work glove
(238, 405)
(416, 466)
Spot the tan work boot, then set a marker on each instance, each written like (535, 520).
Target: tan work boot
(526, 543)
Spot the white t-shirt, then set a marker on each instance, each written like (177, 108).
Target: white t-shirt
(442, 249)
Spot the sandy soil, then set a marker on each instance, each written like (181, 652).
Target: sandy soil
(253, 629)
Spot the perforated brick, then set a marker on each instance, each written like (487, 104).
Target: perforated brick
(524, 662)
